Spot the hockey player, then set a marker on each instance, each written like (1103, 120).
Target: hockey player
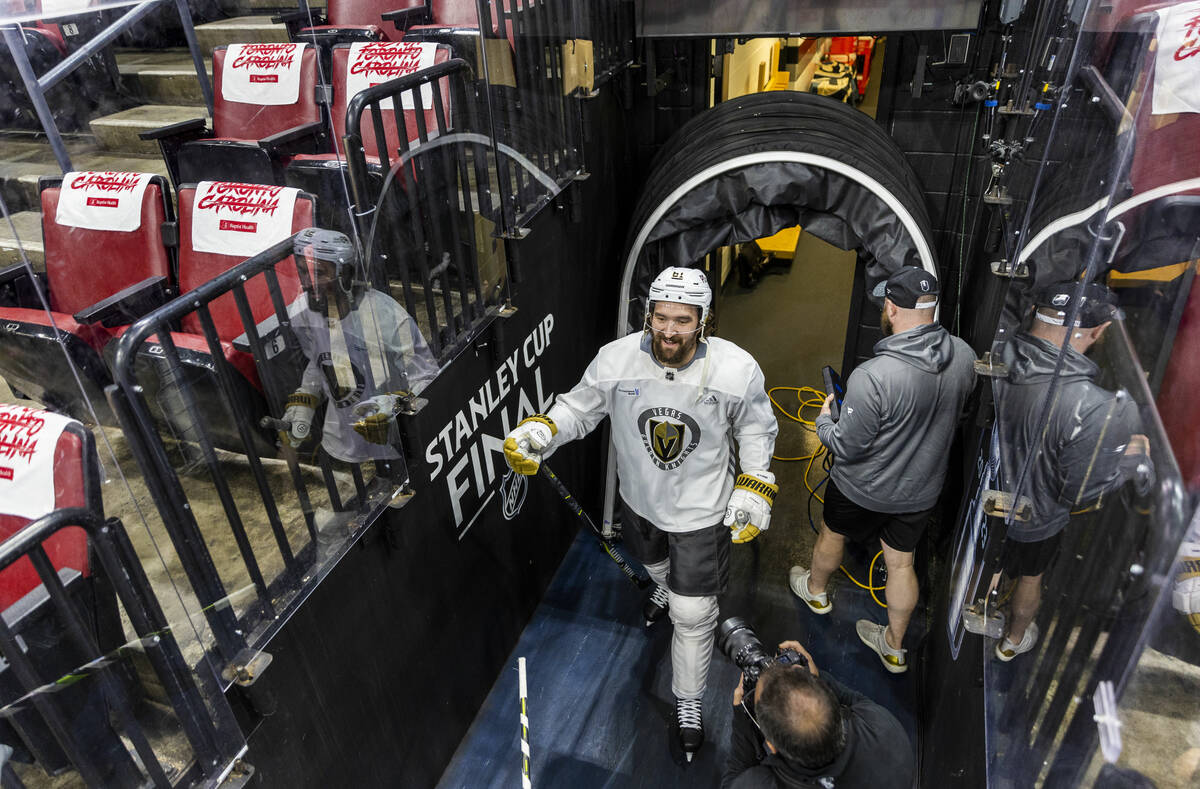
(365, 354)
(675, 398)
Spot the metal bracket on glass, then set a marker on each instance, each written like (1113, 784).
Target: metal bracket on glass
(999, 504)
(239, 775)
(1107, 721)
(247, 667)
(988, 367)
(402, 496)
(515, 234)
(1010, 269)
(983, 619)
(411, 404)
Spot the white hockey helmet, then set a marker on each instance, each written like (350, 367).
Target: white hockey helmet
(682, 286)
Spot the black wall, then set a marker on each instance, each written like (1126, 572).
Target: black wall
(380, 673)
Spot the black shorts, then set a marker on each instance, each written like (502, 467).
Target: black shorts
(900, 530)
(699, 559)
(1029, 558)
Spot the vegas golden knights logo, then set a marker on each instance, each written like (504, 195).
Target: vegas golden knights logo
(669, 435)
(667, 439)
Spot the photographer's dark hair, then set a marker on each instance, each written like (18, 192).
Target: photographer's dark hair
(800, 715)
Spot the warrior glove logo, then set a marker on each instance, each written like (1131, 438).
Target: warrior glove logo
(669, 435)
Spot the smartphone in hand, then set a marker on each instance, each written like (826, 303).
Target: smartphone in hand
(833, 386)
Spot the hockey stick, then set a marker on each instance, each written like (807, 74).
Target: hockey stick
(640, 581)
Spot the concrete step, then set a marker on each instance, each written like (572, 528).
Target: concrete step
(23, 162)
(240, 30)
(164, 76)
(23, 159)
(119, 131)
(29, 231)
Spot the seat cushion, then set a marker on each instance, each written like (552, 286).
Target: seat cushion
(95, 335)
(193, 348)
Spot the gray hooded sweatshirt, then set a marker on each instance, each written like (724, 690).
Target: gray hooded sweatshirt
(1079, 452)
(891, 442)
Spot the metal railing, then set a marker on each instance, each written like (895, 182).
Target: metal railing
(283, 526)
(539, 117)
(203, 715)
(425, 207)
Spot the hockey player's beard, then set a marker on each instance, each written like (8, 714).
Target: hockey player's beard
(885, 324)
(673, 354)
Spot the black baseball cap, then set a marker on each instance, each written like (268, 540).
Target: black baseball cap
(909, 284)
(1099, 304)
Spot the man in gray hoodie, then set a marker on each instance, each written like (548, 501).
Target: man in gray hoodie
(1063, 445)
(890, 448)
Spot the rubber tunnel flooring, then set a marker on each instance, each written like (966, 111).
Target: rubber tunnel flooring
(600, 702)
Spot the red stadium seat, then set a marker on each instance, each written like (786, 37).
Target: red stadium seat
(348, 21)
(234, 208)
(66, 549)
(250, 140)
(48, 463)
(84, 267)
(321, 174)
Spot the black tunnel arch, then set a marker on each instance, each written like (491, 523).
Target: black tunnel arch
(753, 166)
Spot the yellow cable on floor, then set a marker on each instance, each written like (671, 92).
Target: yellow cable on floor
(816, 401)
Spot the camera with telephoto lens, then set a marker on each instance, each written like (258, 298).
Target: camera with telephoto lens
(743, 647)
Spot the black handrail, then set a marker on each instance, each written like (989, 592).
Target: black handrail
(131, 410)
(237, 635)
(428, 172)
(199, 719)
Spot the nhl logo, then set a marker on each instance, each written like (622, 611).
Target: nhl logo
(669, 436)
(512, 494)
(925, 285)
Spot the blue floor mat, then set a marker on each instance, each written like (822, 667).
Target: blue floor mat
(600, 701)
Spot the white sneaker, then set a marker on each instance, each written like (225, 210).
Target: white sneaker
(798, 580)
(1007, 650)
(875, 636)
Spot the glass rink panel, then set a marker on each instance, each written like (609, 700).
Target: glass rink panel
(243, 257)
(1068, 559)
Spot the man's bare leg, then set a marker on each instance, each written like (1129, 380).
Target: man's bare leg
(901, 593)
(1026, 598)
(827, 556)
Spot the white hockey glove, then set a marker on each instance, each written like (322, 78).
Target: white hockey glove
(748, 513)
(1185, 591)
(375, 415)
(300, 407)
(523, 447)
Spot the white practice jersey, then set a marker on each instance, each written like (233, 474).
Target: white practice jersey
(376, 349)
(673, 429)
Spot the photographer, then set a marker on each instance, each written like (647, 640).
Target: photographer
(799, 729)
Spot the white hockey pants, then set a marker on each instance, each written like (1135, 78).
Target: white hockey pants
(695, 621)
